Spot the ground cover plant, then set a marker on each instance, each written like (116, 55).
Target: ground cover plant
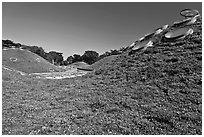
(102, 62)
(26, 61)
(153, 92)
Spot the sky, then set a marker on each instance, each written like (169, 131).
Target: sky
(73, 28)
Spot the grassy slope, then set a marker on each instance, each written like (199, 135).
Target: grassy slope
(80, 64)
(97, 65)
(101, 63)
(158, 91)
(26, 61)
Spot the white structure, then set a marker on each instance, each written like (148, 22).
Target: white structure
(131, 44)
(38, 59)
(193, 20)
(5, 48)
(158, 31)
(141, 38)
(189, 32)
(165, 27)
(13, 59)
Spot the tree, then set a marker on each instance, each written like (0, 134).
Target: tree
(76, 58)
(70, 60)
(114, 52)
(17, 45)
(38, 50)
(55, 58)
(65, 63)
(7, 43)
(90, 57)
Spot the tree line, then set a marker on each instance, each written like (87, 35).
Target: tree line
(56, 58)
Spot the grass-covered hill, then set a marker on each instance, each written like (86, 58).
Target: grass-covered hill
(153, 92)
(26, 61)
(156, 91)
(95, 66)
(102, 62)
(80, 64)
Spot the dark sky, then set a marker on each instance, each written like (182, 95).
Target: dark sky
(76, 27)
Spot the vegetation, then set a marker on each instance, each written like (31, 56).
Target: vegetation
(90, 57)
(102, 62)
(153, 92)
(27, 62)
(56, 58)
(53, 56)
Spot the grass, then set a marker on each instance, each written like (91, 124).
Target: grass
(101, 63)
(80, 64)
(153, 92)
(27, 62)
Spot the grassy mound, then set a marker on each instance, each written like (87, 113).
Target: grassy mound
(8, 74)
(80, 64)
(102, 62)
(156, 91)
(26, 61)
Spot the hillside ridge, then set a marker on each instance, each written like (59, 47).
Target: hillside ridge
(153, 88)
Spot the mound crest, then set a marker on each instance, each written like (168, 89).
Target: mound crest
(101, 63)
